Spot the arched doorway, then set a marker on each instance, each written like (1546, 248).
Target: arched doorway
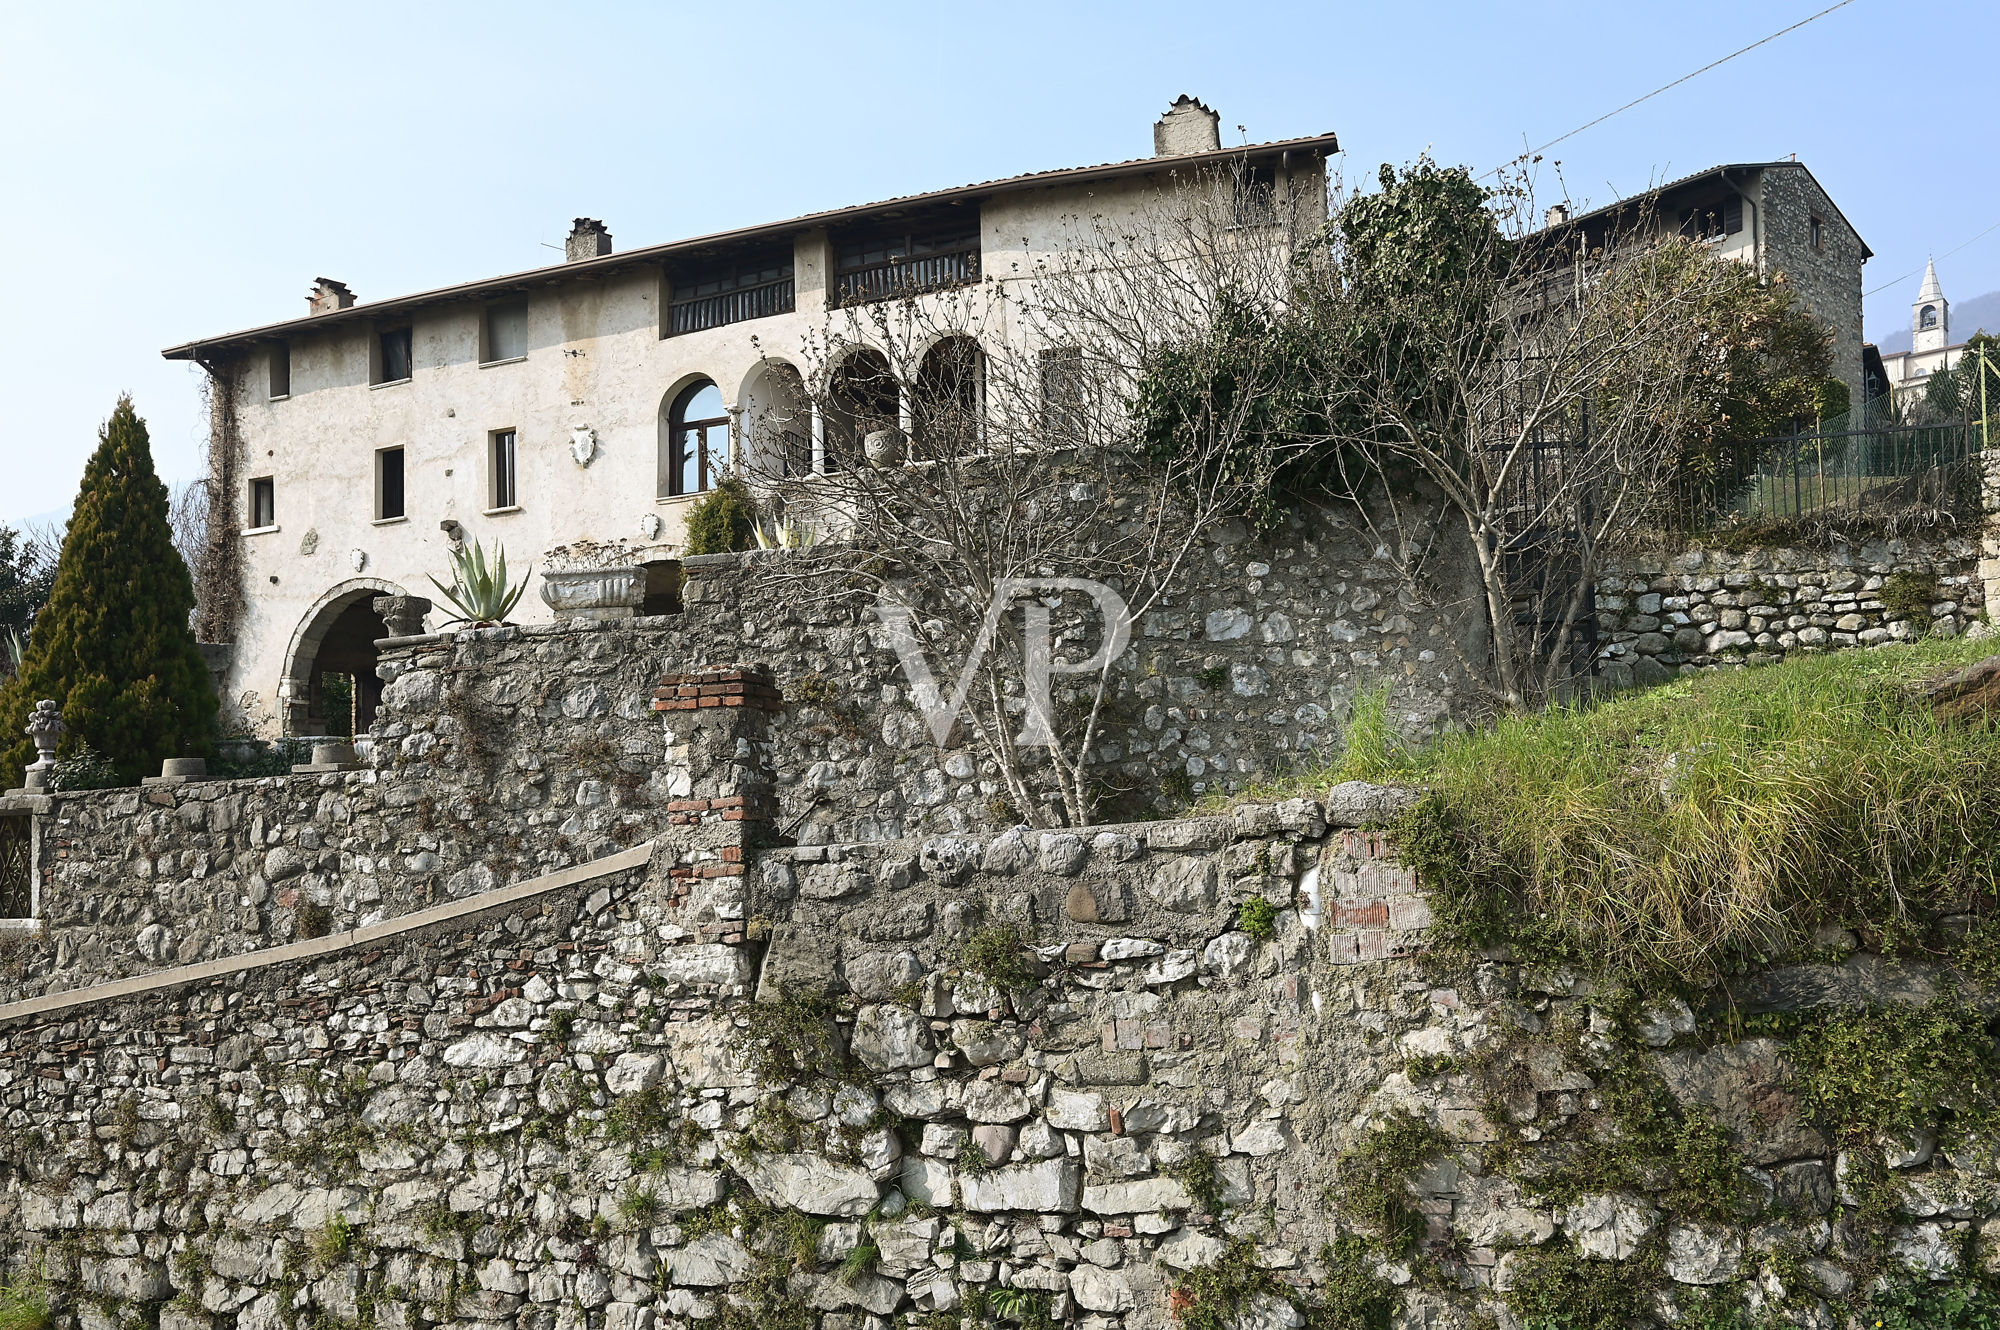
(330, 685)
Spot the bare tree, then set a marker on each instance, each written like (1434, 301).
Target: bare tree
(1540, 389)
(962, 451)
(188, 519)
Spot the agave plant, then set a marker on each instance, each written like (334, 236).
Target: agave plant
(479, 594)
(783, 534)
(12, 650)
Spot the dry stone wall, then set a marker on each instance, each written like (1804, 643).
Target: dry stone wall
(1709, 607)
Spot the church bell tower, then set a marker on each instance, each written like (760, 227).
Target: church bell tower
(1930, 317)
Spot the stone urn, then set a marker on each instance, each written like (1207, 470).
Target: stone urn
(886, 447)
(595, 593)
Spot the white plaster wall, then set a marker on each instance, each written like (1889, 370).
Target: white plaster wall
(595, 358)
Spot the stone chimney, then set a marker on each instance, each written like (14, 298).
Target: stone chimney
(1556, 215)
(328, 295)
(1187, 127)
(587, 240)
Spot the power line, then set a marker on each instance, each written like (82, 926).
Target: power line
(1934, 258)
(1676, 83)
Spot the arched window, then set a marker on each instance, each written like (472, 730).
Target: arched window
(864, 399)
(697, 445)
(945, 406)
(1927, 317)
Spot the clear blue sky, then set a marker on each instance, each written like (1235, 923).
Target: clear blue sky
(173, 171)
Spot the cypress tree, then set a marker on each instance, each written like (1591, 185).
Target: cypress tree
(113, 646)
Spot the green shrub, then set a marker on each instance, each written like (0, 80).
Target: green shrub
(1209, 1297)
(1889, 1070)
(1556, 1288)
(997, 953)
(1259, 918)
(1373, 1186)
(1964, 1303)
(722, 521)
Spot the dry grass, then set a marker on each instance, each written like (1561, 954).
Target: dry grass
(1711, 823)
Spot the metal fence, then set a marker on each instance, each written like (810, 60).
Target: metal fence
(1889, 476)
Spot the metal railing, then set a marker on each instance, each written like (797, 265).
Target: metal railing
(1882, 476)
(17, 876)
(906, 275)
(750, 302)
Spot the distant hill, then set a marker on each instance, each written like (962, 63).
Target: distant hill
(1967, 318)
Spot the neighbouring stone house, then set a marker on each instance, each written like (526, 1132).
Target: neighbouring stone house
(591, 400)
(1774, 216)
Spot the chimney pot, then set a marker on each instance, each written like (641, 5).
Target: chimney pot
(1557, 214)
(1187, 127)
(327, 296)
(587, 240)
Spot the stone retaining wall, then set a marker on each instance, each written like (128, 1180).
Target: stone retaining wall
(1710, 608)
(618, 1101)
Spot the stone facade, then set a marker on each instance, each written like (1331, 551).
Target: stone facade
(372, 481)
(1825, 275)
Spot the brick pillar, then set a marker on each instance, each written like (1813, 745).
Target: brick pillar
(721, 786)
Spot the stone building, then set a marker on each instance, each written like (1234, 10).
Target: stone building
(591, 400)
(1773, 216)
(1931, 348)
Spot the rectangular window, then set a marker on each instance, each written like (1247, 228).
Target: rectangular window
(1818, 235)
(750, 287)
(281, 370)
(1062, 394)
(388, 484)
(506, 332)
(263, 503)
(1256, 201)
(1712, 221)
(879, 264)
(505, 492)
(392, 363)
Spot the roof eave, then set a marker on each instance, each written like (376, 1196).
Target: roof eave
(1324, 144)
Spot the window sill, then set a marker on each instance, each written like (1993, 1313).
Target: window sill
(679, 498)
(279, 397)
(390, 521)
(500, 512)
(20, 925)
(259, 530)
(389, 383)
(510, 360)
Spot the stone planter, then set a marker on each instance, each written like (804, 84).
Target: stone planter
(595, 593)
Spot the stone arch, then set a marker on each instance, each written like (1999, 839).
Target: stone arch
(948, 399)
(338, 633)
(863, 395)
(775, 415)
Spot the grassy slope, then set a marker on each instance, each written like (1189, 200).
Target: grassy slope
(1711, 823)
